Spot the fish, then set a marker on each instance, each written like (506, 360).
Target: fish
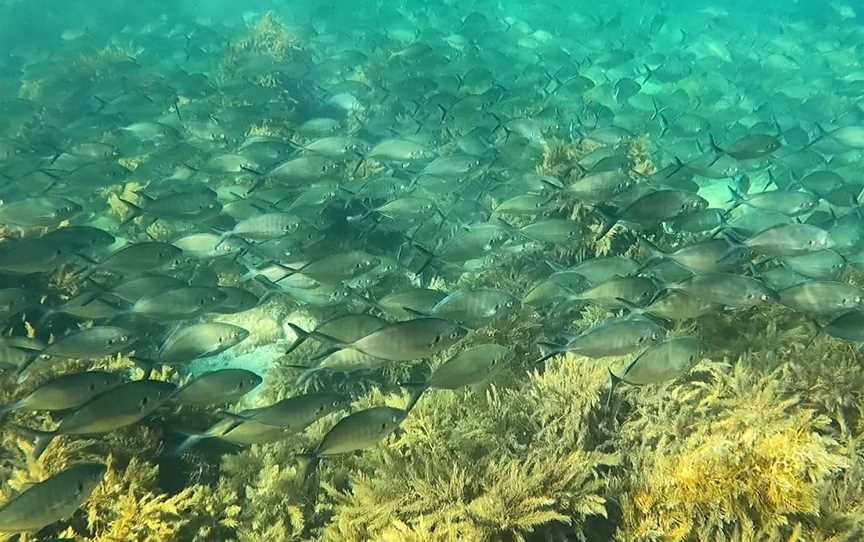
(471, 307)
(65, 392)
(361, 430)
(198, 340)
(38, 211)
(51, 500)
(468, 367)
(633, 289)
(112, 409)
(88, 343)
(725, 289)
(702, 257)
(661, 362)
(139, 257)
(825, 264)
(610, 338)
(406, 341)
(790, 240)
(269, 423)
(788, 202)
(217, 387)
(749, 147)
(346, 328)
(846, 326)
(179, 303)
(821, 297)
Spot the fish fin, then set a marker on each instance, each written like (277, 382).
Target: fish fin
(416, 313)
(26, 368)
(664, 127)
(232, 415)
(737, 198)
(554, 266)
(189, 442)
(5, 410)
(607, 222)
(41, 439)
(323, 354)
(613, 383)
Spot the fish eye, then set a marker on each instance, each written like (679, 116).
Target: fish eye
(334, 404)
(857, 299)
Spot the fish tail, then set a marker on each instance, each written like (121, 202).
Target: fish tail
(41, 439)
(737, 197)
(306, 375)
(308, 465)
(716, 148)
(132, 211)
(822, 133)
(302, 336)
(417, 390)
(653, 251)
